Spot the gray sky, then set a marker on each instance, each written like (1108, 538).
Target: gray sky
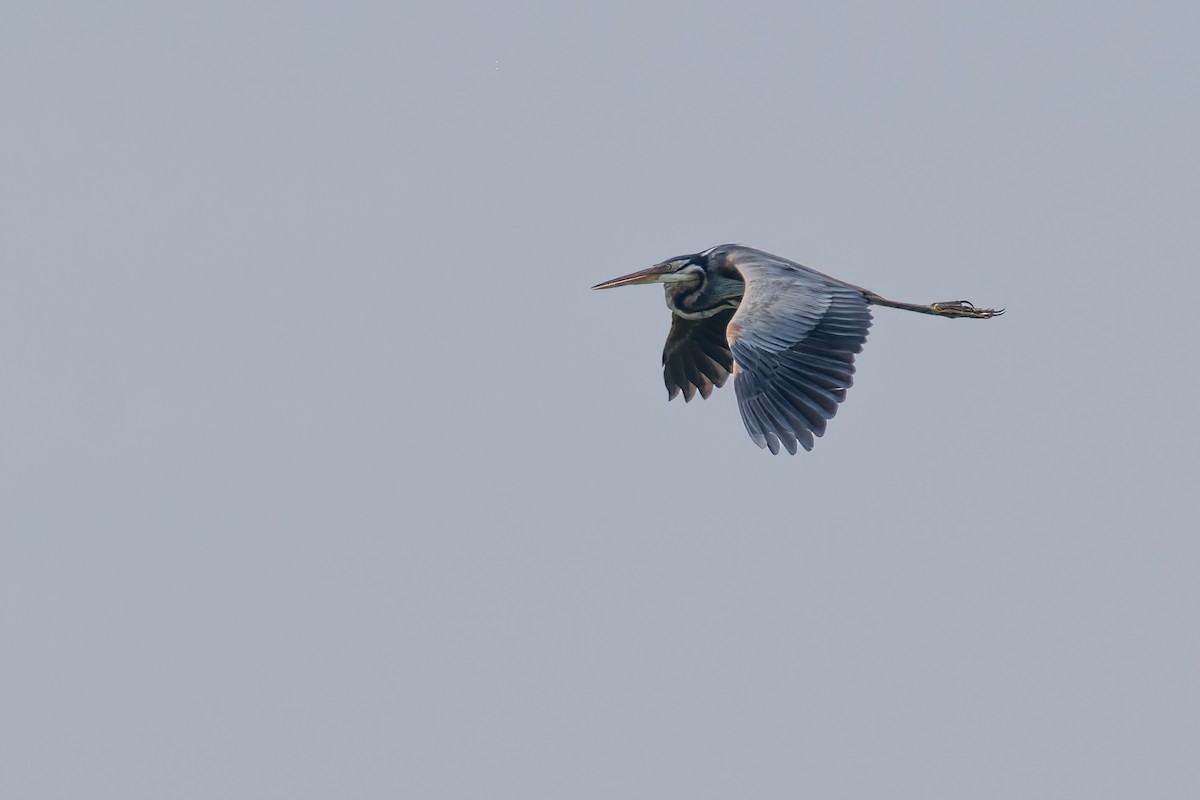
(323, 473)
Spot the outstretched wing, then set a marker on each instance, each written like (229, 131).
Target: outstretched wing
(793, 338)
(697, 355)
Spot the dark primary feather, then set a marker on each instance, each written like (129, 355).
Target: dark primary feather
(794, 337)
(697, 356)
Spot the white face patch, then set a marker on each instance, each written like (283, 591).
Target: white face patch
(691, 272)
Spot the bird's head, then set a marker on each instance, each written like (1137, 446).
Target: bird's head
(697, 286)
(683, 269)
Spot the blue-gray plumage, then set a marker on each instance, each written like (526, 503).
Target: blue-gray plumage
(788, 335)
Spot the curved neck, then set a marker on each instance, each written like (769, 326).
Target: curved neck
(697, 300)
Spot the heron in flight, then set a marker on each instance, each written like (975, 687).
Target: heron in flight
(787, 333)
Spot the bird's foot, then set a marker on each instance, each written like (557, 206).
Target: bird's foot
(962, 308)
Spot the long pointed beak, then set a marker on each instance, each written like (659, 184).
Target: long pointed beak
(652, 275)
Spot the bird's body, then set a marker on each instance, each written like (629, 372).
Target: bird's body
(787, 333)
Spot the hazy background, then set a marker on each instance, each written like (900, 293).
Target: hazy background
(324, 474)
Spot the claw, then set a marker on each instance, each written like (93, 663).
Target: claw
(963, 308)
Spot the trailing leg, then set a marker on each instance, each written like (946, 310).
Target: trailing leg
(952, 308)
